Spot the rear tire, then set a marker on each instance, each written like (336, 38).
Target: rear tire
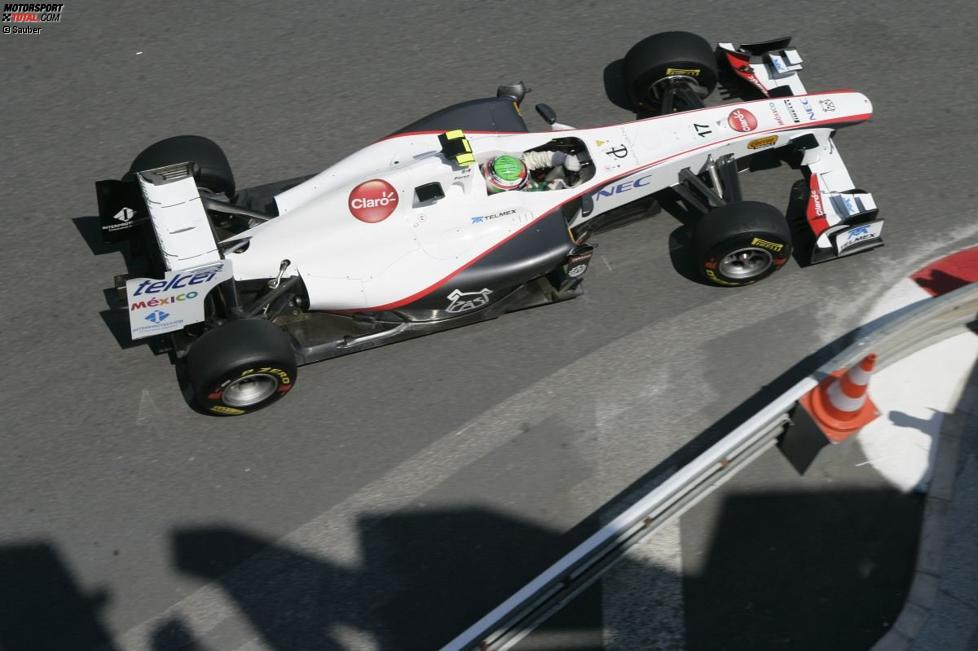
(668, 54)
(211, 168)
(240, 367)
(741, 243)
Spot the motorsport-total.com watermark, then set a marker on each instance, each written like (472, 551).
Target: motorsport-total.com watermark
(25, 17)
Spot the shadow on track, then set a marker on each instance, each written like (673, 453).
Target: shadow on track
(42, 607)
(813, 570)
(424, 576)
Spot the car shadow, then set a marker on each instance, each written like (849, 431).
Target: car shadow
(802, 238)
(681, 239)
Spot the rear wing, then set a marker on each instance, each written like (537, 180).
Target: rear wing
(177, 213)
(166, 197)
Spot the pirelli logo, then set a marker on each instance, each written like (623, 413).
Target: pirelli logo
(687, 72)
(30, 12)
(764, 244)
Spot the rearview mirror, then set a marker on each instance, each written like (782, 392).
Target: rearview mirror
(548, 114)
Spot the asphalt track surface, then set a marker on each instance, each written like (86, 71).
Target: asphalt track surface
(397, 494)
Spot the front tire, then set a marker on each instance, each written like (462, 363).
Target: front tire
(741, 243)
(240, 367)
(667, 55)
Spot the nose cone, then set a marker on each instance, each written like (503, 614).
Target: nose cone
(867, 106)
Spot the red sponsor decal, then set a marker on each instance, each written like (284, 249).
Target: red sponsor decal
(373, 201)
(741, 65)
(815, 211)
(742, 120)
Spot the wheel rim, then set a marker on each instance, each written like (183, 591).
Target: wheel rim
(748, 262)
(658, 86)
(249, 390)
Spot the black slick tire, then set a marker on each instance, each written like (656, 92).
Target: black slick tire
(741, 243)
(665, 55)
(240, 367)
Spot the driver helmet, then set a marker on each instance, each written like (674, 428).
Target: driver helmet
(505, 173)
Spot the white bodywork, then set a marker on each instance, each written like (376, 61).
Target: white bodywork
(180, 222)
(349, 264)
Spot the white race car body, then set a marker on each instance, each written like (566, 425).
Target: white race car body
(420, 248)
(403, 237)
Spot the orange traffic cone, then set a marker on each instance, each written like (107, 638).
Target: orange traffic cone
(839, 405)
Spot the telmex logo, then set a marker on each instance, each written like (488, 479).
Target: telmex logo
(373, 201)
(177, 282)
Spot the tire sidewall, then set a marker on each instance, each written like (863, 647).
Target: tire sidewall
(233, 350)
(668, 54)
(775, 244)
(210, 392)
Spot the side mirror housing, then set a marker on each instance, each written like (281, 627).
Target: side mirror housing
(548, 114)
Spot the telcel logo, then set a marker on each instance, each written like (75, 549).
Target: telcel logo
(177, 282)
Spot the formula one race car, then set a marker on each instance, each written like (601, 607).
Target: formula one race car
(465, 215)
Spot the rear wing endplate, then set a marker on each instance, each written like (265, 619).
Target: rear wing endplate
(160, 305)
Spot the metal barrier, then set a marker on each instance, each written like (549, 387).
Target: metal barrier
(891, 338)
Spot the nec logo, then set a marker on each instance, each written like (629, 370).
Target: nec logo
(625, 187)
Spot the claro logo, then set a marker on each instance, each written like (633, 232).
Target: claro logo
(373, 201)
(817, 203)
(742, 120)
